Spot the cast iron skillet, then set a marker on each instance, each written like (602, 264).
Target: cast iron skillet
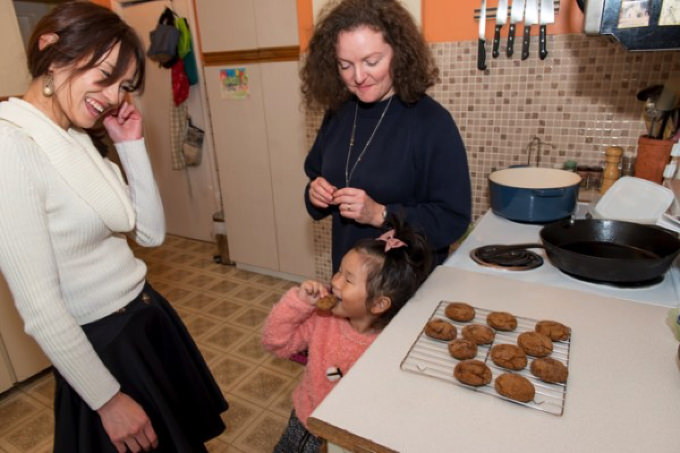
(608, 251)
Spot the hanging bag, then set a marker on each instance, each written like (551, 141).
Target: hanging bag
(164, 39)
(193, 145)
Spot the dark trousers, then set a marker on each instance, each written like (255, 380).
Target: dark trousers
(296, 438)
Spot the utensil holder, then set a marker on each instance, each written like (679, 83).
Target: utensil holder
(652, 156)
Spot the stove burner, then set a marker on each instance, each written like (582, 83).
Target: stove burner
(506, 257)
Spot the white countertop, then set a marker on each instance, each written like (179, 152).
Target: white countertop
(623, 392)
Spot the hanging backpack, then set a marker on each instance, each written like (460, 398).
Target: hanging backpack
(164, 39)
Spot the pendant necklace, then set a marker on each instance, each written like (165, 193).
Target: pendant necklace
(348, 172)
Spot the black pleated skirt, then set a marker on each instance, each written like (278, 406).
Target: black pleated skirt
(150, 352)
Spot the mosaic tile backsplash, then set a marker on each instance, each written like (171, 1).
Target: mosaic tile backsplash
(579, 100)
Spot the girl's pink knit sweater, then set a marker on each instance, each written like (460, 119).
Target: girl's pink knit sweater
(293, 326)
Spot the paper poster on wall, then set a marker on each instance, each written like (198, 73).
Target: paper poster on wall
(234, 83)
(670, 12)
(634, 13)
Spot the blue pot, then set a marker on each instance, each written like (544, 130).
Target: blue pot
(532, 194)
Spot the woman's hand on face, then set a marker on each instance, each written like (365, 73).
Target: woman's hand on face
(127, 425)
(355, 204)
(321, 192)
(125, 124)
(311, 291)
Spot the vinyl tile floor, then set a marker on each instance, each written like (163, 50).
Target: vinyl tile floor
(224, 309)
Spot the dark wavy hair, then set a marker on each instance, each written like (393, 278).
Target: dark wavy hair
(397, 273)
(413, 69)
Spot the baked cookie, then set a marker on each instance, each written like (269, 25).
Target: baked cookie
(509, 356)
(535, 344)
(326, 302)
(502, 320)
(472, 372)
(556, 331)
(549, 370)
(460, 311)
(515, 387)
(441, 330)
(479, 333)
(462, 349)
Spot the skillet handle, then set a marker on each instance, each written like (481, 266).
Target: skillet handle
(548, 193)
(507, 248)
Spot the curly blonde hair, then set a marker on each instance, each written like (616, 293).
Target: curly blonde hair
(412, 68)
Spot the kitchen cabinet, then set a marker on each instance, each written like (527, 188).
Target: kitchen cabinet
(20, 356)
(260, 137)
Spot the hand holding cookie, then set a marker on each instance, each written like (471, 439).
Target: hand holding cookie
(311, 291)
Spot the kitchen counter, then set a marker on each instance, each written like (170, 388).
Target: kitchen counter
(623, 392)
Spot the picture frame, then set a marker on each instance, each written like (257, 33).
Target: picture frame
(643, 24)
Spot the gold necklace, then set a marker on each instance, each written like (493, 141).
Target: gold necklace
(348, 172)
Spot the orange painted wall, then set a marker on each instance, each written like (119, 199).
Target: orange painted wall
(106, 3)
(453, 20)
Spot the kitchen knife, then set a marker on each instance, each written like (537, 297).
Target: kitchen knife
(530, 18)
(516, 13)
(501, 18)
(481, 52)
(547, 17)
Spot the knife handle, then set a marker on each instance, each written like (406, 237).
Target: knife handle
(496, 41)
(543, 52)
(511, 40)
(481, 55)
(525, 42)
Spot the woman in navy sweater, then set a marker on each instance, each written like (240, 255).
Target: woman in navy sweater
(384, 146)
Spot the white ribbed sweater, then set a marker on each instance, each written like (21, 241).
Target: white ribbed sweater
(64, 212)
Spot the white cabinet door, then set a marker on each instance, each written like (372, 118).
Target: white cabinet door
(24, 354)
(240, 137)
(284, 118)
(226, 25)
(276, 23)
(14, 75)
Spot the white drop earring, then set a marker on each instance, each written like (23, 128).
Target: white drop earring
(48, 85)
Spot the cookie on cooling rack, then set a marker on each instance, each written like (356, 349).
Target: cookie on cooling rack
(460, 311)
(440, 329)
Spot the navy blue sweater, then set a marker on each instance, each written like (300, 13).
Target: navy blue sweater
(416, 165)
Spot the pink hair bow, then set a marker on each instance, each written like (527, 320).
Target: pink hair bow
(390, 241)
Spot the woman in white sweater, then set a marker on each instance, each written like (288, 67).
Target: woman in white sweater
(128, 375)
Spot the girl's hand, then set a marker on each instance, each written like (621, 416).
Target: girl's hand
(321, 192)
(127, 425)
(125, 124)
(355, 204)
(311, 291)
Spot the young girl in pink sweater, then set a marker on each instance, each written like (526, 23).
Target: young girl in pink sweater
(375, 279)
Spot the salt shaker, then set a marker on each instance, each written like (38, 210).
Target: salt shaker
(611, 169)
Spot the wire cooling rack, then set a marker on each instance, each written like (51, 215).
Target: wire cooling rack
(430, 357)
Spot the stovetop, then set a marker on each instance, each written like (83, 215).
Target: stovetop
(492, 229)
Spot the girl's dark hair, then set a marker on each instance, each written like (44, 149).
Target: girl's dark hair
(397, 273)
(413, 69)
(87, 32)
